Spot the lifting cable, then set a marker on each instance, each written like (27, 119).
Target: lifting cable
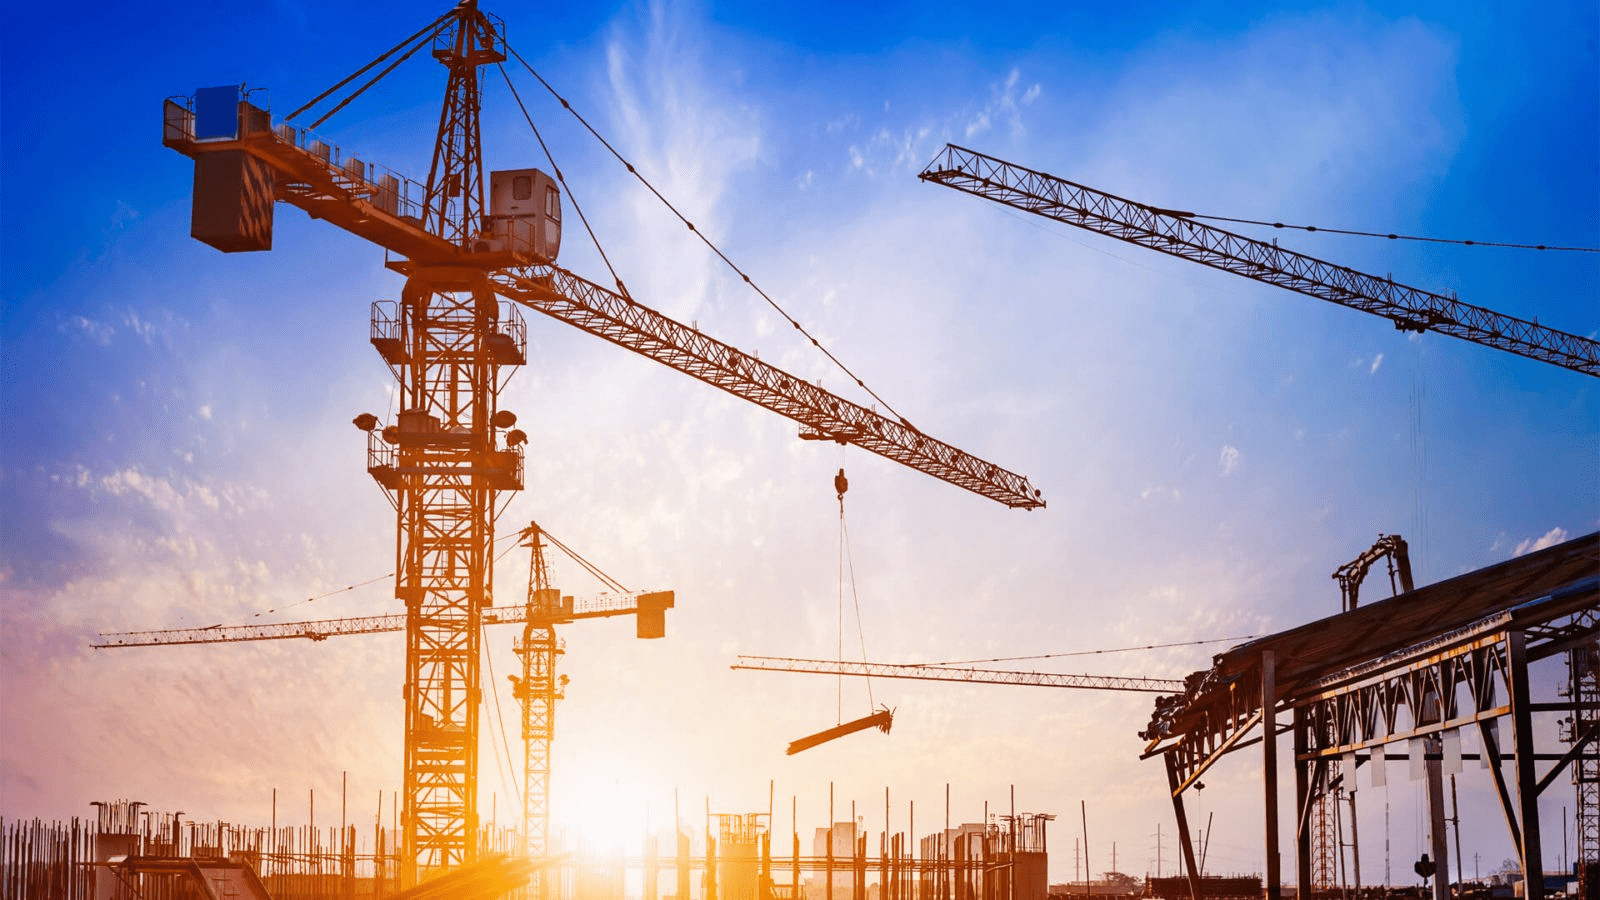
(1182, 214)
(847, 564)
(705, 240)
(506, 768)
(995, 659)
(426, 34)
(589, 567)
(562, 179)
(362, 584)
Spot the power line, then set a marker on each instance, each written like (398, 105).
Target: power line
(1378, 234)
(707, 241)
(966, 662)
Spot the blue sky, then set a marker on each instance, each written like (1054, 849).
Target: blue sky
(176, 448)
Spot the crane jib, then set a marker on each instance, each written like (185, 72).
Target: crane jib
(1177, 233)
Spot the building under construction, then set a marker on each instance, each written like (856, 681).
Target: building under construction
(129, 853)
(1419, 678)
(1402, 679)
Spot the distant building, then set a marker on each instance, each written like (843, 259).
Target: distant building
(843, 841)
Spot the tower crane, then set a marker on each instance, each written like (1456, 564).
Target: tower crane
(1175, 232)
(958, 673)
(537, 689)
(884, 717)
(453, 452)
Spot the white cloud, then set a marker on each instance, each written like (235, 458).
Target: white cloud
(1160, 492)
(1376, 362)
(140, 326)
(1005, 104)
(99, 332)
(1228, 459)
(1549, 539)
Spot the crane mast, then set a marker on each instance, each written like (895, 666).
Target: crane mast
(449, 471)
(1176, 233)
(538, 690)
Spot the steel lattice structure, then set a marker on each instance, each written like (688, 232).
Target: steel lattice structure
(1325, 843)
(446, 474)
(955, 673)
(538, 691)
(1583, 688)
(450, 455)
(1417, 670)
(1176, 233)
(454, 205)
(562, 295)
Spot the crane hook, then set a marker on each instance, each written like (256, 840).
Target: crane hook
(841, 484)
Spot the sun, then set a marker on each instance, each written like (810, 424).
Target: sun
(601, 814)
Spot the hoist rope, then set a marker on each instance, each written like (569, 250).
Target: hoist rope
(363, 89)
(705, 240)
(968, 662)
(847, 565)
(1378, 234)
(505, 767)
(576, 207)
(589, 567)
(430, 30)
(362, 584)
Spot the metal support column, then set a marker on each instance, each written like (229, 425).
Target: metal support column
(1527, 776)
(1269, 765)
(1184, 840)
(1436, 819)
(1308, 803)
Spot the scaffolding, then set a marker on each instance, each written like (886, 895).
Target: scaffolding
(127, 851)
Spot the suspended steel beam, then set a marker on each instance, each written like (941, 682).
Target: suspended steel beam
(1176, 233)
(881, 720)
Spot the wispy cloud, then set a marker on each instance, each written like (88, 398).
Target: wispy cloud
(1549, 539)
(1006, 105)
(1228, 459)
(99, 332)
